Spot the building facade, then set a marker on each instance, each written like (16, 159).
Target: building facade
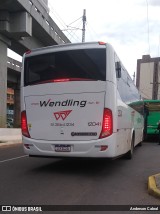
(10, 107)
(148, 77)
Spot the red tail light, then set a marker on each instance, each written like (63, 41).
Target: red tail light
(107, 127)
(102, 43)
(28, 52)
(24, 125)
(63, 80)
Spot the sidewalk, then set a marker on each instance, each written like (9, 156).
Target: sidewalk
(10, 136)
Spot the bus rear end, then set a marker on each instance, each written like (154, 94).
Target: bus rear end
(63, 102)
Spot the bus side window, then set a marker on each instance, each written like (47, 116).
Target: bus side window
(118, 66)
(118, 69)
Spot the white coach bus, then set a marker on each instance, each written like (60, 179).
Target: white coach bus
(75, 102)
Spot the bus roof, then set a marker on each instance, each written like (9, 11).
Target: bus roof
(65, 46)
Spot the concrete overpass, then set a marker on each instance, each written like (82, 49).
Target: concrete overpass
(13, 72)
(24, 24)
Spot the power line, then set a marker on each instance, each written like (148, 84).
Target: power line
(68, 29)
(92, 29)
(74, 30)
(148, 30)
(91, 34)
(57, 16)
(73, 36)
(148, 33)
(159, 45)
(75, 21)
(63, 24)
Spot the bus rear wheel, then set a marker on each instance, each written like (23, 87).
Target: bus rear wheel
(129, 154)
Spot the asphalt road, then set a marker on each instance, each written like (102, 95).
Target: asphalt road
(41, 181)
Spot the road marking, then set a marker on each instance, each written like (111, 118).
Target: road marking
(13, 158)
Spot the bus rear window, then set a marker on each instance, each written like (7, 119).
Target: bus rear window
(72, 64)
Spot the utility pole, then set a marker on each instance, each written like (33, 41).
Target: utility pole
(84, 23)
(155, 82)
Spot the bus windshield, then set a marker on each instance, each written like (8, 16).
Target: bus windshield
(71, 64)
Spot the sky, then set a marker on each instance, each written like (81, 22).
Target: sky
(132, 27)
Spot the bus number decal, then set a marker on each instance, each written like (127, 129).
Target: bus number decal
(94, 124)
(62, 124)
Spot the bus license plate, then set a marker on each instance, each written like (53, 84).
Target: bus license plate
(62, 148)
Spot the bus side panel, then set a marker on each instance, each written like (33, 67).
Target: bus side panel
(138, 127)
(124, 127)
(121, 112)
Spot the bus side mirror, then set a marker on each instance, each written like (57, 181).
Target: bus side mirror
(118, 69)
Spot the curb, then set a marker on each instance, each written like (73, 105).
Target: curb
(10, 136)
(9, 143)
(153, 185)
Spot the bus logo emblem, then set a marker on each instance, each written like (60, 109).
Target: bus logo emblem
(62, 114)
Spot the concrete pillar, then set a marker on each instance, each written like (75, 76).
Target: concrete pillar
(3, 83)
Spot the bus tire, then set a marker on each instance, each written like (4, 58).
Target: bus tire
(140, 144)
(129, 154)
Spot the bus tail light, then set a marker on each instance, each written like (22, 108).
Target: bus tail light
(102, 43)
(24, 125)
(107, 126)
(28, 52)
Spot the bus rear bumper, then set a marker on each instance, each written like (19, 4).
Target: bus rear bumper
(103, 148)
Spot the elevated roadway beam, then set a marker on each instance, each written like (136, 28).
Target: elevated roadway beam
(28, 25)
(24, 24)
(13, 72)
